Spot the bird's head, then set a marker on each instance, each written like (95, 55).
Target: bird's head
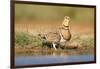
(66, 21)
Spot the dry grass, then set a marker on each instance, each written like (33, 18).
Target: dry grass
(34, 27)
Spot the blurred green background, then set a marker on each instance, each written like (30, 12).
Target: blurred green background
(49, 13)
(32, 19)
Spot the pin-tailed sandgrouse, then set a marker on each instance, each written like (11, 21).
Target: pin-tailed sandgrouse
(56, 37)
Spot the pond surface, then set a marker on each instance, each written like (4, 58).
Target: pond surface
(50, 59)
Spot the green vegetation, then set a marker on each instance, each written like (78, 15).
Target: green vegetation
(24, 40)
(27, 40)
(83, 40)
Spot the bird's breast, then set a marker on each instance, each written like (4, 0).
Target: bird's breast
(65, 34)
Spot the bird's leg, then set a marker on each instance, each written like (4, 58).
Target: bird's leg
(54, 46)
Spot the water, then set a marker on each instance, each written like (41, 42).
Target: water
(50, 59)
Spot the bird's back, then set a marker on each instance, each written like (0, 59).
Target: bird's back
(53, 37)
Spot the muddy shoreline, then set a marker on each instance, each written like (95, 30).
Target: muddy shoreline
(51, 51)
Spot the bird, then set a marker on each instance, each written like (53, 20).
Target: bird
(54, 38)
(63, 34)
(64, 30)
(51, 39)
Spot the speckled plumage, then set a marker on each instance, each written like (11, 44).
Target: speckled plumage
(63, 34)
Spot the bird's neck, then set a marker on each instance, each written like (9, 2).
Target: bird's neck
(65, 27)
